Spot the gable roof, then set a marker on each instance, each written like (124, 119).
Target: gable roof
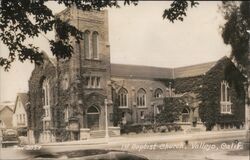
(9, 104)
(140, 71)
(193, 70)
(2, 107)
(23, 98)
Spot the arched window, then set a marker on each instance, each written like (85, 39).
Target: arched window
(123, 97)
(95, 45)
(92, 110)
(46, 92)
(141, 98)
(225, 98)
(86, 45)
(46, 97)
(158, 93)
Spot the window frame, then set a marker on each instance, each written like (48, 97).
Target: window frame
(141, 98)
(225, 98)
(95, 42)
(123, 96)
(86, 46)
(156, 93)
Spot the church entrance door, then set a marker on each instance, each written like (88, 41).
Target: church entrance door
(93, 115)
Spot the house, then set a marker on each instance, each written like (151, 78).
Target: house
(6, 113)
(20, 121)
(68, 98)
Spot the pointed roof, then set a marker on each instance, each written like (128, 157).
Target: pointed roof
(192, 70)
(23, 98)
(140, 71)
(2, 107)
(8, 104)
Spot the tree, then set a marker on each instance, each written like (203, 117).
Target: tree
(23, 19)
(170, 110)
(234, 32)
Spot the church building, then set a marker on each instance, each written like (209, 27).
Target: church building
(71, 98)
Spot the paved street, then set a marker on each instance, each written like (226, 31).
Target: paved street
(215, 145)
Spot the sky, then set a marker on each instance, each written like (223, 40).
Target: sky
(139, 35)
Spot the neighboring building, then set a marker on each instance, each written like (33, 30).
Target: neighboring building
(67, 98)
(20, 121)
(6, 113)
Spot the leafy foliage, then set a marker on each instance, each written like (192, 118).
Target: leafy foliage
(23, 19)
(178, 10)
(209, 109)
(234, 32)
(207, 87)
(171, 110)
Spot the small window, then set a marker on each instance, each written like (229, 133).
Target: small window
(158, 93)
(142, 114)
(93, 82)
(88, 81)
(21, 120)
(23, 117)
(98, 79)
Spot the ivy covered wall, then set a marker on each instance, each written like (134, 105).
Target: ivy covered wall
(208, 88)
(209, 110)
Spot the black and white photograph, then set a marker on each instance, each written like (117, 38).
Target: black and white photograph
(124, 80)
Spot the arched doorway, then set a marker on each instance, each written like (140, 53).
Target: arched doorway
(93, 115)
(185, 115)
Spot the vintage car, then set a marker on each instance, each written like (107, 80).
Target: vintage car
(10, 138)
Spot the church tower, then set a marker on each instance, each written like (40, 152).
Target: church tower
(88, 70)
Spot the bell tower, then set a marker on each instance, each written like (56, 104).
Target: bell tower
(89, 66)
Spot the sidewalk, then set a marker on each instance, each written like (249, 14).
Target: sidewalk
(147, 138)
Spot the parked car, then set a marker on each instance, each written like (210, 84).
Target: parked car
(10, 138)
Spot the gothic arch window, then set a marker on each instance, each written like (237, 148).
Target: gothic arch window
(158, 93)
(225, 101)
(123, 97)
(46, 97)
(93, 110)
(141, 98)
(95, 45)
(46, 92)
(87, 44)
